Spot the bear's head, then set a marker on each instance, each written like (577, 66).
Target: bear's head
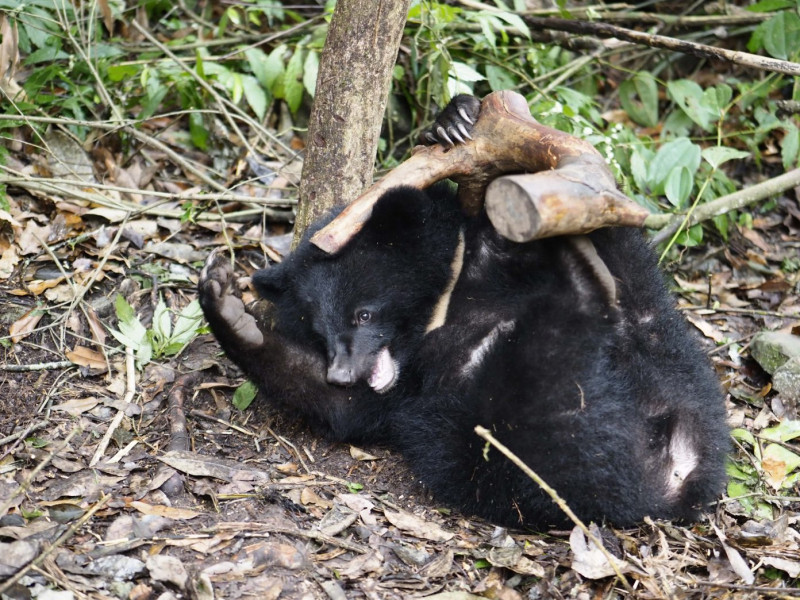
(367, 307)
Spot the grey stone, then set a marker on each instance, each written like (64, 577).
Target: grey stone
(773, 348)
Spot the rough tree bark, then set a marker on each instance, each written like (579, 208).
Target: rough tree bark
(352, 87)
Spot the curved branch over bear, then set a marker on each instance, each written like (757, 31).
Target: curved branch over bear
(429, 323)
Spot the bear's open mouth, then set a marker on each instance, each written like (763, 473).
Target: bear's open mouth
(384, 373)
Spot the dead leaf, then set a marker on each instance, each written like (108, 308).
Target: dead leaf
(738, 564)
(791, 567)
(337, 520)
(272, 554)
(67, 159)
(200, 465)
(77, 406)
(8, 262)
(16, 555)
(9, 56)
(168, 569)
(86, 357)
(309, 496)
(160, 510)
(39, 286)
(108, 16)
(96, 327)
(361, 565)
(417, 527)
(588, 560)
(24, 326)
(359, 454)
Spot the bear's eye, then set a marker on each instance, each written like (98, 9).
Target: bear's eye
(363, 316)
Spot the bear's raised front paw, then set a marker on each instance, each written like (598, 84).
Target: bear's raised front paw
(226, 313)
(454, 124)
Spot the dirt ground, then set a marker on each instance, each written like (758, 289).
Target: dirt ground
(145, 484)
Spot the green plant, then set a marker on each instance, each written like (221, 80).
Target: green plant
(163, 338)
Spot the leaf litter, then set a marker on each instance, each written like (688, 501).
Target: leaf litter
(140, 483)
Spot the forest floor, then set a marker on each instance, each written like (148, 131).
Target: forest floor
(99, 498)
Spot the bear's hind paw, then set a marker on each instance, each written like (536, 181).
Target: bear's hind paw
(226, 313)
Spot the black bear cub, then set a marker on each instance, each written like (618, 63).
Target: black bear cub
(429, 323)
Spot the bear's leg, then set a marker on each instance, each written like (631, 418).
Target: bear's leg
(289, 374)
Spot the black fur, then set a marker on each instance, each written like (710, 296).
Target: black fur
(587, 371)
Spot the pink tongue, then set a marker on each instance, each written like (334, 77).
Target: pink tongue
(383, 373)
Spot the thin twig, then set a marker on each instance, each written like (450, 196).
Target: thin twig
(486, 434)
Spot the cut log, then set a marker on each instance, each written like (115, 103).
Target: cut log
(571, 183)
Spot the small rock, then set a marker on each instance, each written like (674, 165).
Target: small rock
(773, 348)
(786, 379)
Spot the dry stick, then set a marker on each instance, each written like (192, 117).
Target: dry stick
(604, 30)
(55, 545)
(46, 366)
(20, 434)
(129, 393)
(485, 434)
(723, 205)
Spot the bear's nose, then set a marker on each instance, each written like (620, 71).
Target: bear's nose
(340, 375)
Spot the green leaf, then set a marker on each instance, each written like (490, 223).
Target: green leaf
(701, 107)
(197, 130)
(640, 158)
(743, 435)
(45, 54)
(119, 72)
(782, 35)
(736, 489)
(267, 68)
(244, 395)
(679, 186)
(719, 155)
(789, 146)
(255, 95)
(162, 326)
(677, 153)
(188, 322)
(515, 21)
(499, 78)
(639, 98)
(463, 72)
(769, 5)
(783, 432)
(692, 237)
(292, 84)
(310, 69)
(123, 309)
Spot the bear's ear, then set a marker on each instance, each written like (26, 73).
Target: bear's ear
(399, 210)
(270, 283)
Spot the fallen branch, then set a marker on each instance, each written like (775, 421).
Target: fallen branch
(669, 224)
(507, 139)
(604, 30)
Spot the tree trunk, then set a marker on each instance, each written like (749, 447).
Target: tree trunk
(350, 99)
